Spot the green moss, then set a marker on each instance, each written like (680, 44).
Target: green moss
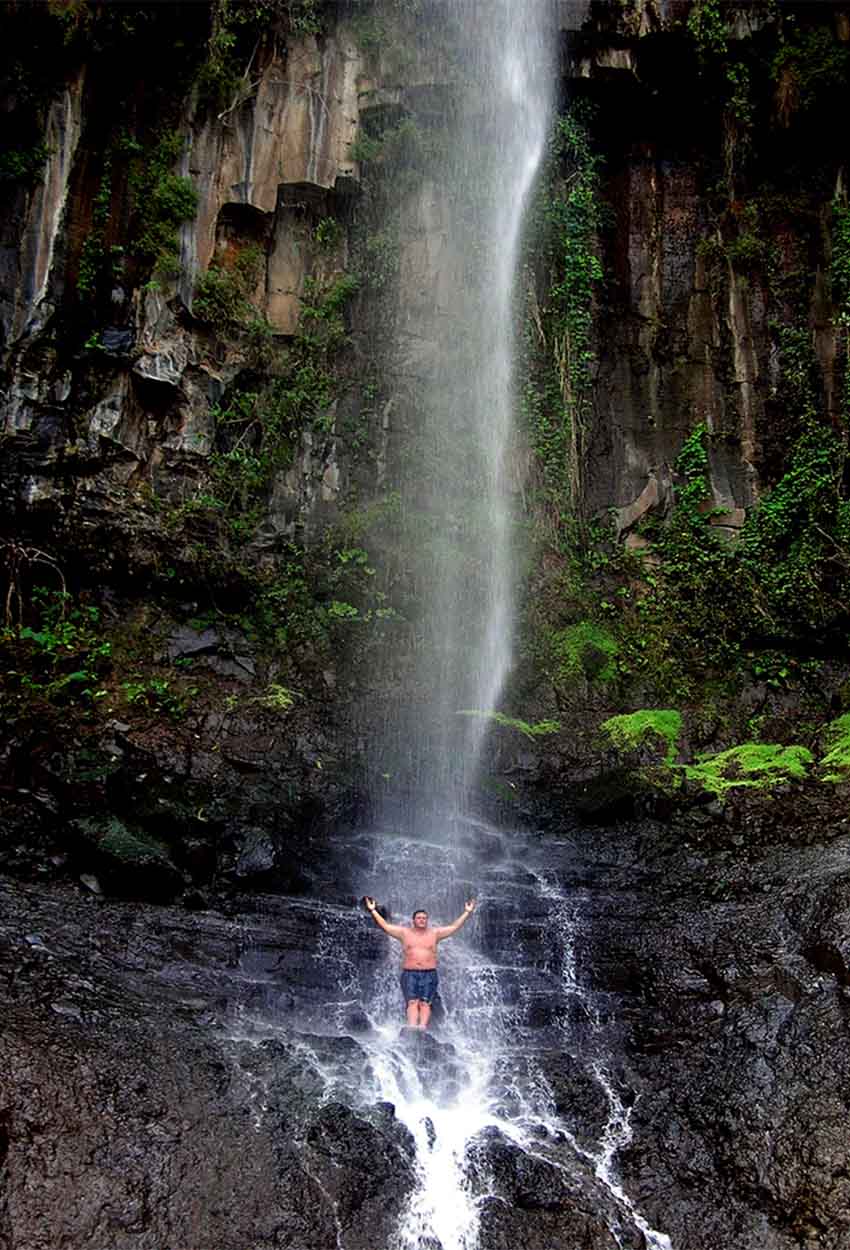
(114, 839)
(633, 729)
(585, 650)
(755, 765)
(835, 765)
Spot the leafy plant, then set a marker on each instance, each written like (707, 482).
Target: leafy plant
(158, 694)
(835, 765)
(537, 729)
(23, 164)
(328, 233)
(278, 698)
(60, 655)
(93, 254)
(160, 201)
(633, 729)
(557, 401)
(752, 765)
(222, 294)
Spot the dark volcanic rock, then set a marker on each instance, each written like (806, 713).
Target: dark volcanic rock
(539, 1205)
(147, 1124)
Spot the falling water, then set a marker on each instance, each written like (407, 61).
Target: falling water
(463, 482)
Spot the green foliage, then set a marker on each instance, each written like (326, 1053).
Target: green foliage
(328, 233)
(786, 577)
(403, 146)
(840, 267)
(365, 148)
(305, 16)
(809, 68)
(709, 28)
(583, 650)
(238, 27)
(749, 248)
(222, 294)
(740, 103)
(538, 729)
(630, 731)
(160, 201)
(370, 33)
(835, 765)
(93, 254)
(380, 260)
(260, 422)
(159, 694)
(707, 25)
(23, 164)
(704, 607)
(94, 343)
(339, 611)
(277, 698)
(316, 598)
(560, 355)
(113, 838)
(752, 765)
(61, 656)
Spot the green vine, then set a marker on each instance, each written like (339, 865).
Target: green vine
(557, 399)
(93, 254)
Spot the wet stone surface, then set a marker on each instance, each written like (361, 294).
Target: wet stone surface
(223, 1078)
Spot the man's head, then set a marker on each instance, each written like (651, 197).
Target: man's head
(420, 919)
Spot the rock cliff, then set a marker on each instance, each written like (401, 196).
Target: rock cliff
(225, 272)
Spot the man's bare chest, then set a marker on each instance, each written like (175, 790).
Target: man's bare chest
(420, 943)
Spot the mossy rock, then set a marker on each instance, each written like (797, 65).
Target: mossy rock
(584, 650)
(835, 765)
(131, 863)
(658, 729)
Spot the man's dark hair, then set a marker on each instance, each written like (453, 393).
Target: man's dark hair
(420, 911)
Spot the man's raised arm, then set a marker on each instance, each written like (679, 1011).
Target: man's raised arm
(448, 929)
(394, 930)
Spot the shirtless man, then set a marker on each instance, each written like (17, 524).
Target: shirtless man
(419, 958)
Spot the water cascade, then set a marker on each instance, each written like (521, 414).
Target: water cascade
(481, 1095)
(461, 481)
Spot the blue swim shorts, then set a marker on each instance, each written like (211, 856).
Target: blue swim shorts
(416, 983)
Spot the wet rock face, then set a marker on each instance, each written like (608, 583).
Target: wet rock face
(147, 1123)
(189, 1078)
(736, 1035)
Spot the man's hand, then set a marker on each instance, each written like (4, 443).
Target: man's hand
(447, 930)
(394, 930)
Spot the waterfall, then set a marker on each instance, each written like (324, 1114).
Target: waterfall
(479, 1093)
(462, 486)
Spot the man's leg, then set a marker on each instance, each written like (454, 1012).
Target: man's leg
(413, 1005)
(424, 1015)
